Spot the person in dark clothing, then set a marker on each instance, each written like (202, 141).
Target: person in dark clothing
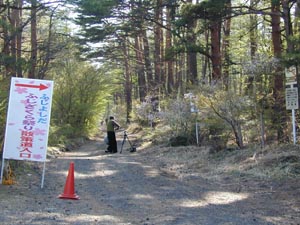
(112, 125)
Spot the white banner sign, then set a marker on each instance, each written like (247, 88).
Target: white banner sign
(28, 119)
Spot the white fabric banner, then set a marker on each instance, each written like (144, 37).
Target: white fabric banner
(28, 119)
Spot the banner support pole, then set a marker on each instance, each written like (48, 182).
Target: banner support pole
(2, 168)
(43, 175)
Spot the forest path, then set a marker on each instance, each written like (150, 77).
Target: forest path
(119, 189)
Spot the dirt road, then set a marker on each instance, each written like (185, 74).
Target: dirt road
(119, 189)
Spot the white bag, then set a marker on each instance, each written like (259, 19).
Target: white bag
(106, 140)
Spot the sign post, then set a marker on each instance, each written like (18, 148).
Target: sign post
(28, 121)
(291, 96)
(194, 109)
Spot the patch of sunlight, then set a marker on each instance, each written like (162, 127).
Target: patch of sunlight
(215, 198)
(276, 219)
(75, 156)
(85, 218)
(220, 198)
(79, 218)
(152, 172)
(193, 203)
(145, 145)
(100, 173)
(140, 196)
(131, 163)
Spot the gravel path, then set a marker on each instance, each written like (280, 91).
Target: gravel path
(126, 188)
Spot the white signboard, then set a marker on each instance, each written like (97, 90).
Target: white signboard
(291, 74)
(291, 98)
(28, 119)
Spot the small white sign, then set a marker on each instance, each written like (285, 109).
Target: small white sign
(290, 74)
(291, 98)
(28, 119)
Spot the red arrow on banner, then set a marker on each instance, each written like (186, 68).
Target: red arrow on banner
(41, 86)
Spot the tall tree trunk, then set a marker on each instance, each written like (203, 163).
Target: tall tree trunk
(226, 46)
(215, 29)
(192, 73)
(33, 57)
(279, 113)
(170, 62)
(192, 63)
(41, 73)
(140, 68)
(297, 44)
(128, 84)
(288, 28)
(158, 46)
(19, 39)
(138, 48)
(179, 74)
(253, 47)
(13, 37)
(206, 75)
(147, 60)
(6, 39)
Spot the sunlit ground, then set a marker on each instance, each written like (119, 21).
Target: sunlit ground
(215, 198)
(83, 218)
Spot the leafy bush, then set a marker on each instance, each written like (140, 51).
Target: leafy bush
(80, 97)
(179, 141)
(178, 116)
(224, 111)
(146, 113)
(59, 135)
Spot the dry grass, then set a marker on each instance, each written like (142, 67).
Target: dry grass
(272, 162)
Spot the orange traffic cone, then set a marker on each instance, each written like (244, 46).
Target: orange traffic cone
(69, 191)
